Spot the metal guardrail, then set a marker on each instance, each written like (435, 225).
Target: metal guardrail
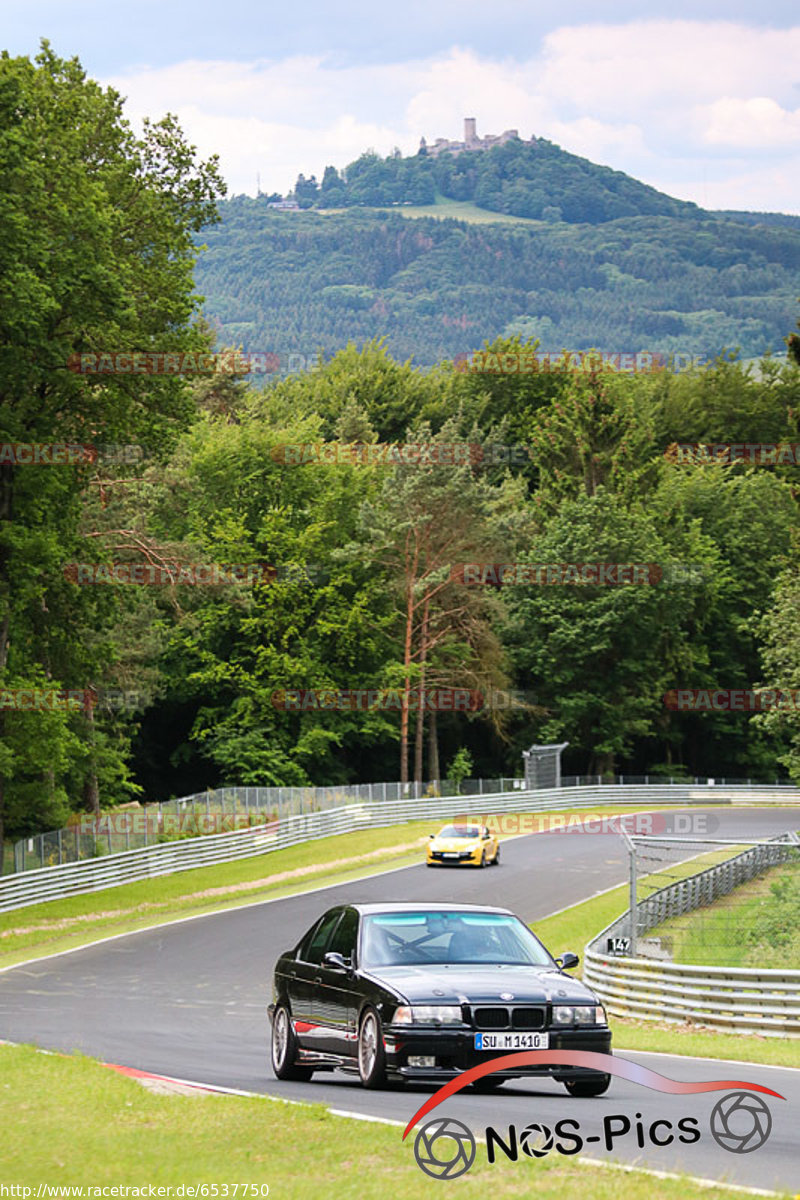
(130, 827)
(51, 883)
(749, 1000)
(708, 885)
(214, 811)
(726, 999)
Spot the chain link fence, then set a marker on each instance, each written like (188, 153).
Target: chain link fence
(220, 810)
(132, 827)
(715, 903)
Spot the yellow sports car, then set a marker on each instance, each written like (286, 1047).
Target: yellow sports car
(460, 845)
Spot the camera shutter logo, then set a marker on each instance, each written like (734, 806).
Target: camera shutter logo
(536, 1140)
(444, 1148)
(740, 1122)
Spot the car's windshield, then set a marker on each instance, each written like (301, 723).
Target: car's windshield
(399, 938)
(459, 831)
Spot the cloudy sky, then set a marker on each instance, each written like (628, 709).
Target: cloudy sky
(700, 99)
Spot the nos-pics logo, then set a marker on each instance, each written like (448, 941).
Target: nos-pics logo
(445, 1148)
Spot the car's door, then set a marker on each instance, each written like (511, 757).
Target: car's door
(302, 992)
(335, 998)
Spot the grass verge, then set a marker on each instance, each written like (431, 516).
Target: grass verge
(79, 920)
(53, 1105)
(66, 924)
(571, 929)
(460, 210)
(744, 928)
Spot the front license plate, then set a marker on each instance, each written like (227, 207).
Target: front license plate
(512, 1041)
(447, 855)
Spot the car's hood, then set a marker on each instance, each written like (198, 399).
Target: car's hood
(449, 844)
(471, 983)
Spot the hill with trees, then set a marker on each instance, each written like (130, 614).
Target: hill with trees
(269, 574)
(539, 181)
(299, 283)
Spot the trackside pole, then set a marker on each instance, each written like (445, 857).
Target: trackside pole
(632, 892)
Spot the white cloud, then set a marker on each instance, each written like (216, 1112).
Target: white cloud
(758, 123)
(666, 101)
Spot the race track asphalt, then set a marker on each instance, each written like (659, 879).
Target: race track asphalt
(189, 1000)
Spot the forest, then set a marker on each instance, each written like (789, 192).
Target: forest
(165, 586)
(300, 284)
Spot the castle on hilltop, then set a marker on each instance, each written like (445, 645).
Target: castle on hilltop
(472, 141)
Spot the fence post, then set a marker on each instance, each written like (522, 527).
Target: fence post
(632, 892)
(60, 856)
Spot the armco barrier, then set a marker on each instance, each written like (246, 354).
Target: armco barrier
(51, 883)
(750, 1000)
(727, 999)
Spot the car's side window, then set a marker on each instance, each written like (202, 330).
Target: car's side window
(346, 934)
(313, 947)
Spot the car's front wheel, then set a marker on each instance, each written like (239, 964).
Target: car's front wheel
(588, 1087)
(284, 1048)
(496, 859)
(371, 1051)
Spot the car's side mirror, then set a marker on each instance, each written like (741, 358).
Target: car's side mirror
(337, 961)
(431, 836)
(568, 960)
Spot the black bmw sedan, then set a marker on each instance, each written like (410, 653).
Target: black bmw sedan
(426, 991)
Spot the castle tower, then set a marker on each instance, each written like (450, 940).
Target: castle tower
(470, 134)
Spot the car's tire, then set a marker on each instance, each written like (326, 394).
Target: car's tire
(483, 859)
(284, 1048)
(496, 859)
(371, 1051)
(489, 1083)
(587, 1087)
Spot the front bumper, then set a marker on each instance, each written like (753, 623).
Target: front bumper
(454, 1051)
(466, 858)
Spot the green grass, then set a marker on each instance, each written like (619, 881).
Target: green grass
(78, 920)
(573, 928)
(719, 935)
(73, 1122)
(459, 210)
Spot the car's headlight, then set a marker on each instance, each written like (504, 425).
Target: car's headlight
(427, 1014)
(578, 1014)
